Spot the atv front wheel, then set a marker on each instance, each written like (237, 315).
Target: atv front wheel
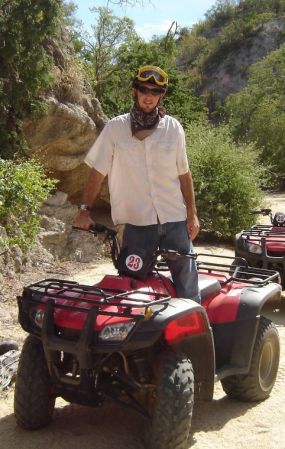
(258, 383)
(34, 399)
(8, 345)
(172, 406)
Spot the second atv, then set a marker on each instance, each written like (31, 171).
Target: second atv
(263, 246)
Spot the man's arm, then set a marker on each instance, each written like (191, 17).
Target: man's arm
(187, 189)
(91, 190)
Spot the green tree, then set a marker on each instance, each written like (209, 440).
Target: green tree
(67, 15)
(181, 101)
(221, 12)
(101, 49)
(257, 112)
(24, 64)
(226, 177)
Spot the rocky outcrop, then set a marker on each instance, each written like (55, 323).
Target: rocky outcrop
(230, 74)
(58, 237)
(61, 137)
(11, 258)
(55, 241)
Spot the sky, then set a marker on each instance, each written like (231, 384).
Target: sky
(154, 17)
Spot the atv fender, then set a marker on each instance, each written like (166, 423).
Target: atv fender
(254, 301)
(254, 298)
(200, 350)
(196, 343)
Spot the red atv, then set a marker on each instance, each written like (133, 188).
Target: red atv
(263, 246)
(129, 339)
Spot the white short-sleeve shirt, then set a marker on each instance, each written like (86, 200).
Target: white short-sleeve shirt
(142, 174)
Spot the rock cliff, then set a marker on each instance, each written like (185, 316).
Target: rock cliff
(230, 74)
(61, 137)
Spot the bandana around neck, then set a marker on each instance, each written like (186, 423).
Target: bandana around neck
(141, 120)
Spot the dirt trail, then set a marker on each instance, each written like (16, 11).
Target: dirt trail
(220, 423)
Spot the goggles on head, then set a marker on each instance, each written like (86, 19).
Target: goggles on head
(152, 73)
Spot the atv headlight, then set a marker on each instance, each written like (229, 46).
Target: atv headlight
(39, 317)
(116, 332)
(253, 248)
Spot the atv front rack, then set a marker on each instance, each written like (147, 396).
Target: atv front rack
(264, 233)
(53, 295)
(268, 240)
(64, 292)
(237, 270)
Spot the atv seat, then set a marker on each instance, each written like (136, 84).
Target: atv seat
(208, 286)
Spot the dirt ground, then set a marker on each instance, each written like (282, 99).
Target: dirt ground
(222, 422)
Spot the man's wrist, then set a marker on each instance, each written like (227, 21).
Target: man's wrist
(191, 212)
(84, 207)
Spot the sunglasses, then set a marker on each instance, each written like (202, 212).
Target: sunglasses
(145, 90)
(147, 72)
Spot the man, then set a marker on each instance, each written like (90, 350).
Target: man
(151, 189)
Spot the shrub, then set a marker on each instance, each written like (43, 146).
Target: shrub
(23, 188)
(226, 178)
(25, 65)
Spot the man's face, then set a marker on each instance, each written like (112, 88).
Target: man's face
(148, 95)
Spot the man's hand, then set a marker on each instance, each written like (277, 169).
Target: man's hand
(83, 220)
(187, 189)
(193, 226)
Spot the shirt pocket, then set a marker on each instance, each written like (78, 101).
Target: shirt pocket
(164, 153)
(130, 152)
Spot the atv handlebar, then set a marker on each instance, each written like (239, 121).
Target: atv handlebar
(98, 228)
(238, 271)
(261, 212)
(111, 234)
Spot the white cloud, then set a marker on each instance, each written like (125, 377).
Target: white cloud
(147, 30)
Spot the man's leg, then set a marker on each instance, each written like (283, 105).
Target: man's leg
(144, 239)
(183, 270)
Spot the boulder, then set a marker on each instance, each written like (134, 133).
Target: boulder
(61, 137)
(57, 235)
(60, 140)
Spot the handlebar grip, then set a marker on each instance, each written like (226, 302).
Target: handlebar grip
(98, 228)
(261, 212)
(102, 229)
(266, 211)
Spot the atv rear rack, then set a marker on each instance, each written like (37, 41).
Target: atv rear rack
(59, 291)
(237, 270)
